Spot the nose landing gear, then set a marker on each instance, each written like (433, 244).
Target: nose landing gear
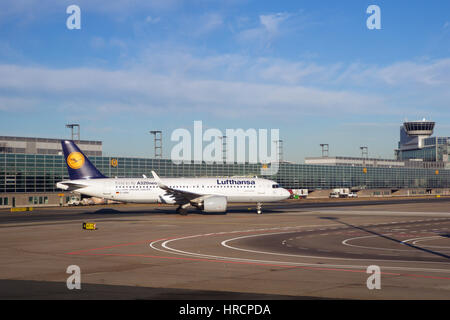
(258, 208)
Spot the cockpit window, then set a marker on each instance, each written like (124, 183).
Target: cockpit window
(275, 186)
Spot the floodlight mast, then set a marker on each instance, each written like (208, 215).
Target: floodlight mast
(158, 143)
(325, 149)
(364, 152)
(75, 133)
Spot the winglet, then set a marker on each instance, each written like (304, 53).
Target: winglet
(158, 180)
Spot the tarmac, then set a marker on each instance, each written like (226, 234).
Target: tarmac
(297, 249)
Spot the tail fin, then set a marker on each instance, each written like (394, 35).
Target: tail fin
(78, 164)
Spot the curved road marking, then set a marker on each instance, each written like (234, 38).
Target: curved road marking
(416, 240)
(345, 242)
(224, 243)
(280, 263)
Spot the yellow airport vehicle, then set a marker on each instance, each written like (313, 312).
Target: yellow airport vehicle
(89, 226)
(23, 209)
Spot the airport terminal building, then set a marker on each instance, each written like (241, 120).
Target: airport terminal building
(30, 169)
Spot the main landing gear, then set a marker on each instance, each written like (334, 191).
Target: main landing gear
(182, 209)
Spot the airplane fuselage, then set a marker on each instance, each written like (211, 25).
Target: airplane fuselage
(146, 190)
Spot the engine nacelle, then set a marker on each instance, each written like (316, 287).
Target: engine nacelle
(215, 204)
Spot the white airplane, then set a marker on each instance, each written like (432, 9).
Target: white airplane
(206, 194)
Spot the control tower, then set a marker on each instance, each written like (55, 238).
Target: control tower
(417, 144)
(413, 134)
(422, 128)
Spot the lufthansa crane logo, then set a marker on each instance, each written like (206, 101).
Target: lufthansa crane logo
(114, 163)
(75, 160)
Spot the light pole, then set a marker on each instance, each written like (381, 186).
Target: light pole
(364, 152)
(325, 148)
(75, 134)
(158, 143)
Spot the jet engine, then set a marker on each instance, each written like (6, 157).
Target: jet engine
(215, 204)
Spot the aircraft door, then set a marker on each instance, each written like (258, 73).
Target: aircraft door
(109, 190)
(262, 188)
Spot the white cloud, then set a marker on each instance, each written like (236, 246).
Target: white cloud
(266, 31)
(306, 73)
(152, 20)
(211, 21)
(431, 73)
(142, 92)
(272, 22)
(406, 74)
(231, 86)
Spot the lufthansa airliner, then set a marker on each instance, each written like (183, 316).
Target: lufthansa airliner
(206, 194)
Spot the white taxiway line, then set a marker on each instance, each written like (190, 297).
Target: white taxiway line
(345, 243)
(224, 243)
(171, 250)
(416, 240)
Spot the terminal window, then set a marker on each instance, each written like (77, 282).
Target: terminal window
(37, 200)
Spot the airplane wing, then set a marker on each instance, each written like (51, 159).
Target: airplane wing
(180, 196)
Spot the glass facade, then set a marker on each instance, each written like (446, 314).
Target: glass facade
(426, 154)
(40, 173)
(435, 149)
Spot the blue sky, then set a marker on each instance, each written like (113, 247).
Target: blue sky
(311, 69)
